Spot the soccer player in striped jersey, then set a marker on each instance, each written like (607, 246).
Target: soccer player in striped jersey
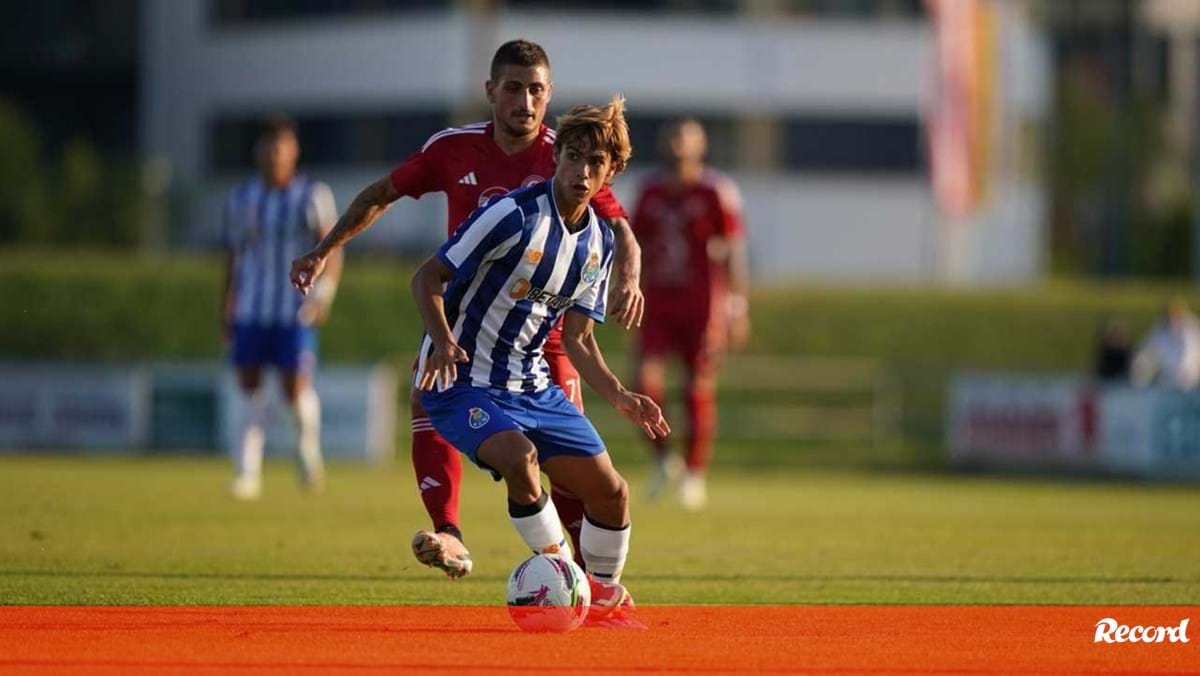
(510, 272)
(472, 164)
(268, 221)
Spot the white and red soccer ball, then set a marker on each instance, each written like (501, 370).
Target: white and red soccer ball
(548, 594)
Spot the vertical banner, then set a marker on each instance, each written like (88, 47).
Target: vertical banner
(960, 114)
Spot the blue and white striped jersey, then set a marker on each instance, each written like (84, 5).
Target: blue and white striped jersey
(516, 270)
(265, 229)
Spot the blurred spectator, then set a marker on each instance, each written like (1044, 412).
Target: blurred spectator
(1113, 352)
(1170, 354)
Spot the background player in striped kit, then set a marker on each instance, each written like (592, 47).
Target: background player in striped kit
(269, 220)
(472, 164)
(513, 270)
(688, 220)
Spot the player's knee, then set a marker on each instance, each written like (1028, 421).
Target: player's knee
(517, 458)
(616, 492)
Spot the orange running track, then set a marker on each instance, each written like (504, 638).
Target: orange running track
(709, 640)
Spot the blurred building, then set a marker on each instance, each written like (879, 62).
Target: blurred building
(815, 107)
(71, 67)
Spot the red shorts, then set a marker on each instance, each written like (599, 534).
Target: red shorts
(689, 330)
(562, 371)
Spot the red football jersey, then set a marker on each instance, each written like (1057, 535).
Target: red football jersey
(467, 165)
(676, 225)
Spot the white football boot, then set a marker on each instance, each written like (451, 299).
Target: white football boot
(442, 551)
(693, 493)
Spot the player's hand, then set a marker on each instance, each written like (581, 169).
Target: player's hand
(306, 269)
(739, 333)
(441, 365)
(644, 413)
(627, 302)
(737, 320)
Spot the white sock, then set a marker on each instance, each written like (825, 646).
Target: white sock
(604, 549)
(306, 414)
(248, 441)
(541, 530)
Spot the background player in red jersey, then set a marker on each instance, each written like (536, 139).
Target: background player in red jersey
(695, 278)
(473, 164)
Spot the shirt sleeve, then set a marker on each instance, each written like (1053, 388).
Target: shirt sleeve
(419, 174)
(489, 233)
(593, 299)
(606, 204)
(638, 224)
(321, 210)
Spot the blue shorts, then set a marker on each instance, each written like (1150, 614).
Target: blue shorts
(466, 416)
(289, 348)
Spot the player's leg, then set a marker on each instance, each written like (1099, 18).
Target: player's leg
(569, 506)
(246, 447)
(438, 470)
(513, 456)
(573, 456)
(653, 344)
(480, 424)
(701, 357)
(295, 355)
(604, 539)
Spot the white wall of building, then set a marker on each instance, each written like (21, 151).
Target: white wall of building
(828, 228)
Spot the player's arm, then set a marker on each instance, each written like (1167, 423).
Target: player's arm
(427, 285)
(579, 340)
(626, 297)
(315, 309)
(737, 263)
(367, 206)
(626, 293)
(737, 267)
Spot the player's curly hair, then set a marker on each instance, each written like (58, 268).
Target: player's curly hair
(602, 127)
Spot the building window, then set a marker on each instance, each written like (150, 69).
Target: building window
(845, 144)
(720, 130)
(328, 138)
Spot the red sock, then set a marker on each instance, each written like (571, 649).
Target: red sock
(570, 513)
(439, 472)
(702, 423)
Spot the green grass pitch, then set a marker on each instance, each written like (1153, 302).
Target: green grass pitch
(101, 530)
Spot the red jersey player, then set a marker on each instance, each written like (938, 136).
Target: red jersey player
(695, 277)
(472, 164)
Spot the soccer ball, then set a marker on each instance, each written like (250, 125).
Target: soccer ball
(548, 594)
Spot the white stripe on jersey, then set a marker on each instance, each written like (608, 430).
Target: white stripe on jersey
(480, 229)
(481, 367)
(453, 131)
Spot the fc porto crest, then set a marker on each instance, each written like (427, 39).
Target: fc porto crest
(477, 417)
(591, 271)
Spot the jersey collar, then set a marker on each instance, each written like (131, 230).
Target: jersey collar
(590, 215)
